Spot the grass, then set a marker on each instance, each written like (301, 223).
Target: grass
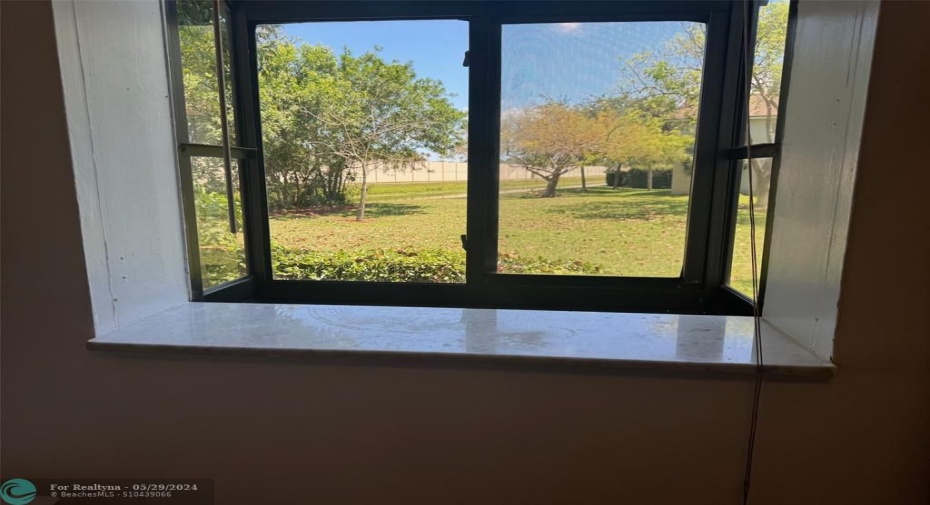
(627, 232)
(741, 270)
(425, 190)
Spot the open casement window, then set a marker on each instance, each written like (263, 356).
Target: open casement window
(210, 155)
(757, 157)
(549, 155)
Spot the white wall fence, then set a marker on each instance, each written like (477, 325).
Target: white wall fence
(451, 171)
(681, 182)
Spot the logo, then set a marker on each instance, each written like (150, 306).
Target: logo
(17, 491)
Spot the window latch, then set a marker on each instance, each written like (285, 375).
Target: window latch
(465, 242)
(466, 60)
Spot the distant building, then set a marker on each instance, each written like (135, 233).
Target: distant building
(762, 131)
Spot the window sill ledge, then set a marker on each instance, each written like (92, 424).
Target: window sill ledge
(661, 343)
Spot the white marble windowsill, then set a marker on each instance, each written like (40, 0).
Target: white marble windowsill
(650, 342)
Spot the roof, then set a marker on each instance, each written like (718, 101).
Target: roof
(757, 108)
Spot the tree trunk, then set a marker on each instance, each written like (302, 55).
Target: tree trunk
(617, 178)
(362, 197)
(762, 200)
(649, 179)
(762, 191)
(551, 183)
(763, 178)
(584, 183)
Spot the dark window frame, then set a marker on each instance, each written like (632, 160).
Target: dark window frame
(701, 289)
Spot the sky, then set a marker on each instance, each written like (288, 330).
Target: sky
(568, 61)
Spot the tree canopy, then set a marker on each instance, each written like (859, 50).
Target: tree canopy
(548, 140)
(630, 136)
(554, 138)
(327, 118)
(374, 114)
(668, 80)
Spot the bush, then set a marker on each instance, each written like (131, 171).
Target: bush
(611, 174)
(512, 264)
(638, 178)
(379, 265)
(222, 255)
(384, 265)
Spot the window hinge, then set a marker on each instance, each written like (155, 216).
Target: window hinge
(465, 242)
(466, 60)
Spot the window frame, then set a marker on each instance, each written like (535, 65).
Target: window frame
(233, 156)
(701, 289)
(743, 152)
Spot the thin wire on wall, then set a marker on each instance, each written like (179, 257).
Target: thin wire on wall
(757, 319)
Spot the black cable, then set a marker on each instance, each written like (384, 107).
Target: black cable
(757, 317)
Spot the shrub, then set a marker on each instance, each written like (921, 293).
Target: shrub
(380, 265)
(611, 173)
(385, 265)
(222, 255)
(512, 264)
(638, 178)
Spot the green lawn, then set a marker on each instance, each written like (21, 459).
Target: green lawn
(420, 190)
(627, 232)
(741, 271)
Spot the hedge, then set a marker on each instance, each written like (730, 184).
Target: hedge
(638, 178)
(386, 265)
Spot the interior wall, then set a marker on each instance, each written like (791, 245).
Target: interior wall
(276, 432)
(865, 437)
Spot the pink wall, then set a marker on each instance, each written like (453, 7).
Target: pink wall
(272, 432)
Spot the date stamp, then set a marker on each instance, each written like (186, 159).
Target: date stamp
(22, 491)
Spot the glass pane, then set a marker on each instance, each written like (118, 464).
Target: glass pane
(768, 61)
(363, 130)
(198, 66)
(228, 74)
(597, 134)
(222, 253)
(741, 266)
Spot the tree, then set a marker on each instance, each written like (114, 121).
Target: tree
(766, 85)
(380, 115)
(327, 119)
(669, 80)
(555, 138)
(295, 81)
(631, 137)
(548, 140)
(201, 88)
